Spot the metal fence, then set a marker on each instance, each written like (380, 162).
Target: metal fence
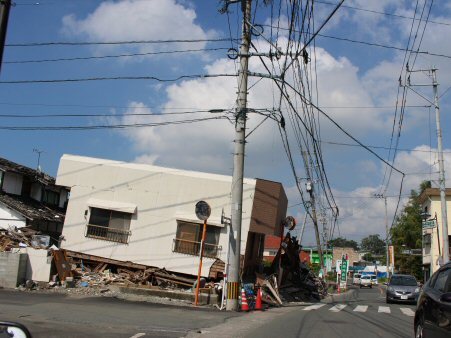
(107, 234)
(193, 248)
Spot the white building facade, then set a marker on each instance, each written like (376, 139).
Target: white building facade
(146, 214)
(432, 228)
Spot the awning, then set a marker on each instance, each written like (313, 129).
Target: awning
(112, 205)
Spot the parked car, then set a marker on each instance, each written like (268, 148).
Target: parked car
(433, 313)
(365, 281)
(356, 279)
(374, 279)
(402, 288)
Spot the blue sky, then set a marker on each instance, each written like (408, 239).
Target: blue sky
(357, 86)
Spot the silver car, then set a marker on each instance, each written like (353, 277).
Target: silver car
(402, 288)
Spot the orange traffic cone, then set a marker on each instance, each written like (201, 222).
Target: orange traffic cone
(244, 305)
(258, 302)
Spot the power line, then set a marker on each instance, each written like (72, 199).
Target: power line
(383, 13)
(111, 126)
(154, 78)
(377, 147)
(374, 44)
(127, 42)
(113, 115)
(116, 56)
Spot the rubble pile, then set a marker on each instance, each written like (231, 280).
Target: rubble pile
(295, 279)
(73, 270)
(13, 238)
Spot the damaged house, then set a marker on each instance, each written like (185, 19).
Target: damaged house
(30, 198)
(146, 214)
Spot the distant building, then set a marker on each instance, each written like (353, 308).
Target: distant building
(338, 253)
(29, 197)
(272, 245)
(146, 214)
(432, 228)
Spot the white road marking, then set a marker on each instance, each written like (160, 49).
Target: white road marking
(361, 308)
(407, 311)
(138, 335)
(313, 307)
(337, 307)
(384, 309)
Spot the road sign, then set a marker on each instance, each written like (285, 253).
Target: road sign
(344, 270)
(429, 224)
(203, 210)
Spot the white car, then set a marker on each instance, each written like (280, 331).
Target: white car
(356, 279)
(365, 281)
(374, 279)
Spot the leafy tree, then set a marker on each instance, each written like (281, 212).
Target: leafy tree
(374, 244)
(406, 234)
(341, 242)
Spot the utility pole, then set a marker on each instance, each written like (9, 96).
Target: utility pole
(5, 6)
(309, 188)
(233, 282)
(386, 232)
(445, 237)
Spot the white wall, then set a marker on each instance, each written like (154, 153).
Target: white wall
(161, 195)
(12, 183)
(9, 217)
(38, 264)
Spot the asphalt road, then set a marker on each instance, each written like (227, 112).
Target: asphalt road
(55, 315)
(360, 313)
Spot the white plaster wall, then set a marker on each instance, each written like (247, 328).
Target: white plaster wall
(12, 183)
(38, 264)
(161, 195)
(9, 217)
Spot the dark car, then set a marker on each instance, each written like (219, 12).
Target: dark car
(433, 313)
(402, 288)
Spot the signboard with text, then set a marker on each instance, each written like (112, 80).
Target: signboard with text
(344, 270)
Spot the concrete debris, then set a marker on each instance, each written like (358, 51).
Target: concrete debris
(292, 281)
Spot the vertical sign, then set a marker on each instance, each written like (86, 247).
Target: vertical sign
(344, 270)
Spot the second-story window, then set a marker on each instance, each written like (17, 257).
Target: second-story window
(50, 197)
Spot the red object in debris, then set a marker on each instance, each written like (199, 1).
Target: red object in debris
(244, 305)
(258, 302)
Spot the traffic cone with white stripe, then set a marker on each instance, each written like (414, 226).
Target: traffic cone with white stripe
(244, 305)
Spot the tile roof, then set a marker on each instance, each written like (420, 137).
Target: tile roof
(31, 209)
(6, 165)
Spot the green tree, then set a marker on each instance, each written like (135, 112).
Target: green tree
(406, 234)
(341, 242)
(374, 244)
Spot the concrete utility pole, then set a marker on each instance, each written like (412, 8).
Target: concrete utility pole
(445, 245)
(387, 235)
(233, 282)
(5, 6)
(309, 188)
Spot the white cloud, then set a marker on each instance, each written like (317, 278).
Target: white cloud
(131, 20)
